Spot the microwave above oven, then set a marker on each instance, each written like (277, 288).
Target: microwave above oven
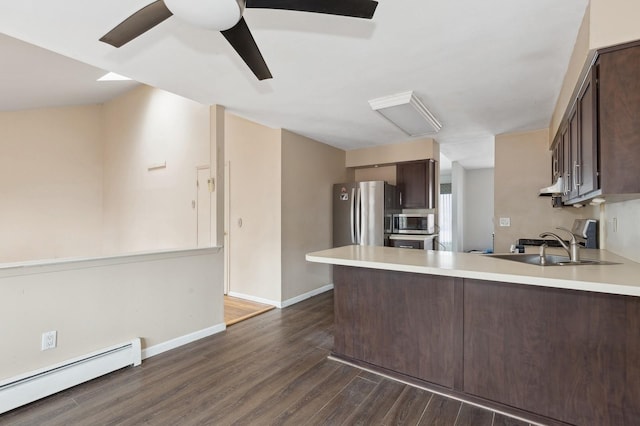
(414, 223)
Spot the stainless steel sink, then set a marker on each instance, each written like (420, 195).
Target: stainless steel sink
(550, 260)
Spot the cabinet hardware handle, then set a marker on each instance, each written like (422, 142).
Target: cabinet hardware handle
(405, 246)
(576, 175)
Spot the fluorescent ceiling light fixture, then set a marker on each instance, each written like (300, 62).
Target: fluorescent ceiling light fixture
(407, 113)
(112, 76)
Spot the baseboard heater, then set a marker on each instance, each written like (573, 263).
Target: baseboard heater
(29, 387)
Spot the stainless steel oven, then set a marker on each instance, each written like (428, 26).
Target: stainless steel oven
(414, 223)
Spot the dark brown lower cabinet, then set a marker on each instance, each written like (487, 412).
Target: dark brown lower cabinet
(399, 321)
(571, 357)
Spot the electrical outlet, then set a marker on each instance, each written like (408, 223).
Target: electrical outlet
(49, 340)
(505, 221)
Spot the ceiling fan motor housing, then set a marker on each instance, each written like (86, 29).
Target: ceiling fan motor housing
(226, 16)
(218, 15)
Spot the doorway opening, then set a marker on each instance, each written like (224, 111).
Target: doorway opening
(236, 309)
(445, 218)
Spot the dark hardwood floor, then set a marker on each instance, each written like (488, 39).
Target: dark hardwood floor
(268, 370)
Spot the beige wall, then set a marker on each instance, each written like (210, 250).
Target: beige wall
(606, 23)
(522, 167)
(97, 304)
(613, 22)
(280, 186)
(577, 61)
(385, 173)
(50, 183)
(152, 209)
(393, 153)
(75, 181)
(254, 155)
(309, 170)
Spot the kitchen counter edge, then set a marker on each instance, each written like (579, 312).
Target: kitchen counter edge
(622, 278)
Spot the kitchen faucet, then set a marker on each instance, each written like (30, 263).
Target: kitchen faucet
(573, 251)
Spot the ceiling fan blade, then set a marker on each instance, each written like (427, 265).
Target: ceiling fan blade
(353, 8)
(137, 24)
(242, 41)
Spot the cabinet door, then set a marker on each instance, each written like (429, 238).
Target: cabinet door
(556, 159)
(569, 355)
(574, 153)
(407, 323)
(565, 165)
(412, 184)
(416, 184)
(619, 126)
(587, 176)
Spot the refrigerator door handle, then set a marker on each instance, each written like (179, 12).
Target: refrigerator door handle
(352, 228)
(358, 218)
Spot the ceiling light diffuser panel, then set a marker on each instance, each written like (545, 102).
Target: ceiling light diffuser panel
(408, 113)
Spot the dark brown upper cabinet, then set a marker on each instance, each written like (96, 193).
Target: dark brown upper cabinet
(597, 148)
(416, 182)
(619, 119)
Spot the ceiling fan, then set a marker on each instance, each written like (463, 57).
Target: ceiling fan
(226, 16)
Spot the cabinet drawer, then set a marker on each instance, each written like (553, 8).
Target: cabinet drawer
(411, 244)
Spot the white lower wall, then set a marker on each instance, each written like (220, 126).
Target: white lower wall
(163, 298)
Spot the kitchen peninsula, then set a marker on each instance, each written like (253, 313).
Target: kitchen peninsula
(554, 345)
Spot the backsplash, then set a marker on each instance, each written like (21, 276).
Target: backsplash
(622, 228)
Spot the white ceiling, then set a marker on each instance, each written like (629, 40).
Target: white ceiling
(481, 67)
(32, 77)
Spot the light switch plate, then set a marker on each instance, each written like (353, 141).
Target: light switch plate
(505, 221)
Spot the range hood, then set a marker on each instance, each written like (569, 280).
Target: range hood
(555, 189)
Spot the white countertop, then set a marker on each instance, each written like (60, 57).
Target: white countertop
(623, 278)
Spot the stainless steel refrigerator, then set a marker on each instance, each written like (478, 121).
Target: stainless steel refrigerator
(362, 213)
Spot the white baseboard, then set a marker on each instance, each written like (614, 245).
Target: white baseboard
(255, 299)
(307, 295)
(285, 303)
(182, 340)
